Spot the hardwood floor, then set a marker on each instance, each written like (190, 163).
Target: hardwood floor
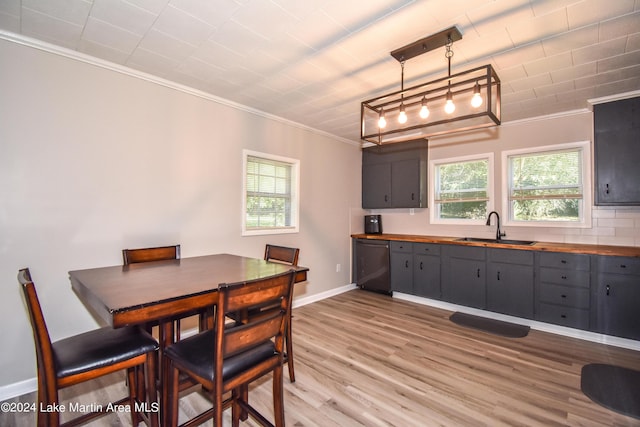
(364, 359)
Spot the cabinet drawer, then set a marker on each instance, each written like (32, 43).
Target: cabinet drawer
(426, 249)
(397, 246)
(565, 277)
(619, 265)
(510, 256)
(564, 295)
(467, 252)
(565, 316)
(562, 260)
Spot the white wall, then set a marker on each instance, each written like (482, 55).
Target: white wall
(93, 161)
(610, 225)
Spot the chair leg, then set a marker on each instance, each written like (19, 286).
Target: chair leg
(289, 342)
(235, 408)
(170, 412)
(278, 397)
(132, 380)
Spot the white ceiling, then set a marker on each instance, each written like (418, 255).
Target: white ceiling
(314, 61)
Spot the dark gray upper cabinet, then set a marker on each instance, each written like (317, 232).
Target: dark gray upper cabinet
(395, 175)
(617, 152)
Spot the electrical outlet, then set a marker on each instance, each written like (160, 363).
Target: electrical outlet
(338, 268)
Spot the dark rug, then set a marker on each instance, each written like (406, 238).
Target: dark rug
(496, 327)
(613, 387)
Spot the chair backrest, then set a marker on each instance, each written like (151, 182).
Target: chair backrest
(281, 254)
(133, 256)
(232, 298)
(44, 350)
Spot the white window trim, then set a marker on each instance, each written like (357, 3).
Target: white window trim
(433, 218)
(586, 186)
(295, 195)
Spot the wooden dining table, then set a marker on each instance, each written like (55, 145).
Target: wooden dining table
(159, 291)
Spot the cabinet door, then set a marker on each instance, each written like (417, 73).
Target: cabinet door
(405, 184)
(510, 289)
(376, 186)
(617, 152)
(465, 283)
(426, 276)
(618, 299)
(402, 271)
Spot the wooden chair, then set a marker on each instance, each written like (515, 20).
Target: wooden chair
(230, 356)
(281, 254)
(88, 356)
(133, 256)
(160, 253)
(289, 256)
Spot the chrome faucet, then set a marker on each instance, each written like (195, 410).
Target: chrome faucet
(499, 234)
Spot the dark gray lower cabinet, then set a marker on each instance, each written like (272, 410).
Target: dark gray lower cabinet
(402, 267)
(563, 282)
(510, 282)
(599, 293)
(426, 270)
(617, 297)
(464, 280)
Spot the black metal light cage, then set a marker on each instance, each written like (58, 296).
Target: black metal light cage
(434, 93)
(422, 107)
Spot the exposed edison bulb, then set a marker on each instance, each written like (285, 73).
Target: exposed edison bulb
(382, 122)
(402, 117)
(476, 100)
(424, 110)
(449, 106)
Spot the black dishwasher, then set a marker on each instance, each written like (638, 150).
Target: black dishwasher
(372, 265)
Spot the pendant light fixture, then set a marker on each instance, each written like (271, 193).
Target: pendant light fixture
(457, 102)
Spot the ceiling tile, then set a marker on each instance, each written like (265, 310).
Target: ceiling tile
(167, 46)
(214, 13)
(100, 51)
(10, 22)
(571, 40)
(123, 15)
(531, 82)
(620, 26)
(599, 51)
(543, 65)
(491, 16)
(540, 27)
(589, 11)
(49, 28)
(110, 36)
(182, 26)
(574, 72)
(72, 11)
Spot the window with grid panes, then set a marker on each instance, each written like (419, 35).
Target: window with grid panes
(271, 194)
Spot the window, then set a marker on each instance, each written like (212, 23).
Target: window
(549, 186)
(462, 189)
(270, 202)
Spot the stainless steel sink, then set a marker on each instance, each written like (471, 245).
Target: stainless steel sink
(501, 241)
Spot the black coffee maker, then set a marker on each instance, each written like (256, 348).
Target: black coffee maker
(373, 224)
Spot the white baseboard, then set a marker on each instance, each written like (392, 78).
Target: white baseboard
(27, 386)
(18, 389)
(533, 324)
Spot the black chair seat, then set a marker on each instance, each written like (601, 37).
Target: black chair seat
(99, 348)
(194, 354)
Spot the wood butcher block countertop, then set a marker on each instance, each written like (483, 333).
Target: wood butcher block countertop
(627, 251)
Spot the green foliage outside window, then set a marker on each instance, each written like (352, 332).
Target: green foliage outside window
(462, 189)
(268, 202)
(546, 186)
